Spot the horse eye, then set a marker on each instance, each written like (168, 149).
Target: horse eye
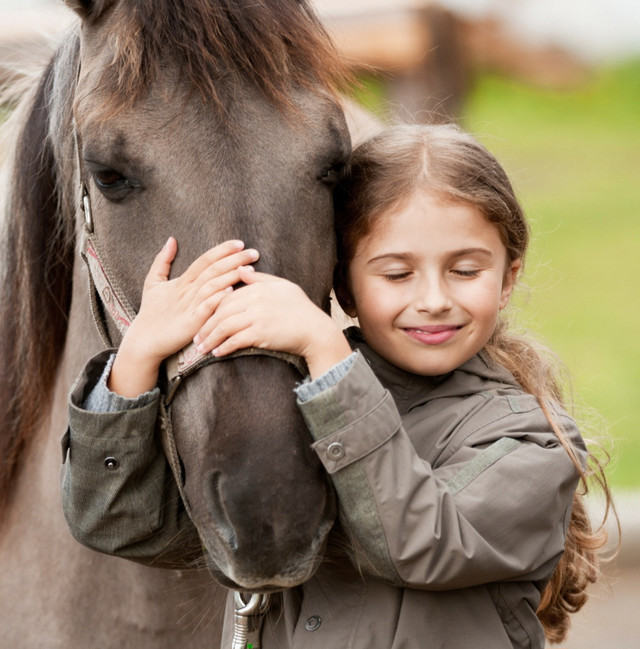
(107, 178)
(332, 174)
(111, 183)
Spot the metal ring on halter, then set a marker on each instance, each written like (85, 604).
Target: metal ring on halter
(257, 603)
(86, 207)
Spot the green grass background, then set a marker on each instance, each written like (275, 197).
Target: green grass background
(574, 159)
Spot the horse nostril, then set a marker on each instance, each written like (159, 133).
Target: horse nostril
(215, 505)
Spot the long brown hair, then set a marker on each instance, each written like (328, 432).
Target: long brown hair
(445, 161)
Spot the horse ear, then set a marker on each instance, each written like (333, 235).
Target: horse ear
(89, 9)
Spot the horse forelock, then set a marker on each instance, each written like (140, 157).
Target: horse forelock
(273, 45)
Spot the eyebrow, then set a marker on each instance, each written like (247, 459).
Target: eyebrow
(404, 256)
(472, 251)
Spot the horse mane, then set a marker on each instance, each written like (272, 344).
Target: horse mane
(35, 276)
(274, 46)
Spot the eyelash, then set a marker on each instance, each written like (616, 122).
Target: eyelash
(467, 273)
(397, 276)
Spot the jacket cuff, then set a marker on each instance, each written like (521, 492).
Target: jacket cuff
(352, 418)
(90, 392)
(312, 387)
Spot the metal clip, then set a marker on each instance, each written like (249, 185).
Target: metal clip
(245, 623)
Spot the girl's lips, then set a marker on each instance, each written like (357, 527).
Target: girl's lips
(433, 335)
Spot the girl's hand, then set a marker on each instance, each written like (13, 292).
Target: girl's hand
(172, 311)
(273, 313)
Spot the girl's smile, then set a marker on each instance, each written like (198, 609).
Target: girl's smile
(434, 335)
(428, 283)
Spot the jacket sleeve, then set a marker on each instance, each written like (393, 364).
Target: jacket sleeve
(496, 509)
(118, 492)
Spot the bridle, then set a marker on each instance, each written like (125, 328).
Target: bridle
(106, 296)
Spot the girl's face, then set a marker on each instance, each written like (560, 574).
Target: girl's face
(428, 282)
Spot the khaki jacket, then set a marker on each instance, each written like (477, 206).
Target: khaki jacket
(454, 492)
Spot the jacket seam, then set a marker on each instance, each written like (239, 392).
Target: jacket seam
(481, 462)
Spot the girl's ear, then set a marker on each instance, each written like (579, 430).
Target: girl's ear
(345, 300)
(509, 282)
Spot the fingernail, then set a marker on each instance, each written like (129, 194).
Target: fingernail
(214, 352)
(196, 339)
(251, 268)
(167, 242)
(253, 253)
(200, 349)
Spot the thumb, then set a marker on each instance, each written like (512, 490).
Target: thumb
(161, 266)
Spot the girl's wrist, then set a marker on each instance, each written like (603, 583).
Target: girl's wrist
(134, 371)
(326, 351)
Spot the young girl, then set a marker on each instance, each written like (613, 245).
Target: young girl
(454, 462)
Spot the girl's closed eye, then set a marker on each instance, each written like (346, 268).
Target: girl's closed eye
(395, 276)
(466, 272)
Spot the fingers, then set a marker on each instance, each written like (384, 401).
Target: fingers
(250, 316)
(237, 333)
(207, 306)
(220, 259)
(211, 256)
(240, 340)
(248, 275)
(161, 266)
(220, 321)
(225, 271)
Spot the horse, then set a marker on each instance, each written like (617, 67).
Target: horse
(205, 120)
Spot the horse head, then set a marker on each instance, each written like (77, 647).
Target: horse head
(210, 120)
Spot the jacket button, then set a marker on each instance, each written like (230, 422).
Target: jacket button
(111, 463)
(313, 623)
(335, 451)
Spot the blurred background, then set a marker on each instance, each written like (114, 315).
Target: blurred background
(552, 87)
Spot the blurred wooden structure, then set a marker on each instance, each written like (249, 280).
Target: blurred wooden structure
(413, 46)
(428, 56)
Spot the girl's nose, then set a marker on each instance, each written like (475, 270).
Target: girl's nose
(432, 296)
